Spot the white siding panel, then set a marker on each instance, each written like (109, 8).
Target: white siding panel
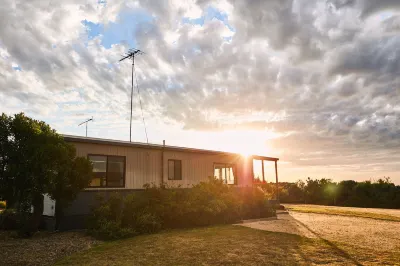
(197, 167)
(142, 165)
(146, 166)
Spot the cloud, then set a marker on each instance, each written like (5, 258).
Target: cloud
(322, 75)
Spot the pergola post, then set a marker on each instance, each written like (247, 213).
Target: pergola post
(277, 182)
(263, 173)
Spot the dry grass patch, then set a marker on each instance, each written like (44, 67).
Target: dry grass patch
(226, 245)
(43, 248)
(341, 211)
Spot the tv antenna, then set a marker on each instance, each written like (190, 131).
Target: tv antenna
(86, 122)
(131, 55)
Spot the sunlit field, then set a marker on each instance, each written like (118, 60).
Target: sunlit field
(228, 245)
(379, 214)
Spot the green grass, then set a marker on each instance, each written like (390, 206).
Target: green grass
(226, 245)
(332, 211)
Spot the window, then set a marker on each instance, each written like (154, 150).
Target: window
(108, 171)
(174, 170)
(225, 172)
(263, 171)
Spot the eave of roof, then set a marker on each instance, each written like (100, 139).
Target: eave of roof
(71, 138)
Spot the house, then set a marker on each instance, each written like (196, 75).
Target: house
(127, 166)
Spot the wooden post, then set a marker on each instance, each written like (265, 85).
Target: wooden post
(262, 167)
(277, 182)
(252, 170)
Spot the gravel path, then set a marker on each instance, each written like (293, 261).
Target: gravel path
(392, 212)
(374, 234)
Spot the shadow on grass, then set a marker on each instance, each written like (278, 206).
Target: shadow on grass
(337, 250)
(220, 245)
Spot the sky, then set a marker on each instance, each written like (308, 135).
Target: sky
(313, 82)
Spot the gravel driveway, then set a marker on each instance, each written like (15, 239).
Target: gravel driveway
(392, 212)
(374, 234)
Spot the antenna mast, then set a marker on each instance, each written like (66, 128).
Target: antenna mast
(86, 122)
(131, 55)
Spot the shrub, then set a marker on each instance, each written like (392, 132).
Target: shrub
(2, 205)
(141, 214)
(105, 219)
(146, 222)
(9, 220)
(110, 230)
(255, 204)
(158, 208)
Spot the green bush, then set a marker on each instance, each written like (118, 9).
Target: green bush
(105, 219)
(9, 220)
(140, 215)
(2, 205)
(158, 208)
(146, 222)
(110, 230)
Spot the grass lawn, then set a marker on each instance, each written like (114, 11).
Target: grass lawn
(341, 211)
(226, 245)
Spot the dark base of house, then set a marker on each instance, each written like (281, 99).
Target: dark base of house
(76, 214)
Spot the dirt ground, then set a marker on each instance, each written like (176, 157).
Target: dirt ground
(42, 249)
(374, 234)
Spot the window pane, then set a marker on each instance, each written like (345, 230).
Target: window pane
(98, 180)
(115, 171)
(171, 169)
(178, 170)
(219, 171)
(230, 176)
(99, 163)
(174, 169)
(99, 170)
(225, 172)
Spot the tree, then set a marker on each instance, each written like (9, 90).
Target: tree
(34, 159)
(302, 187)
(30, 167)
(73, 175)
(5, 192)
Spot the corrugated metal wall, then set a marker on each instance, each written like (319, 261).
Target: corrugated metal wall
(144, 165)
(197, 167)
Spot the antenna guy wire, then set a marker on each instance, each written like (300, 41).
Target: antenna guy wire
(140, 102)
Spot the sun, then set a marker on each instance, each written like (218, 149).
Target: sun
(246, 142)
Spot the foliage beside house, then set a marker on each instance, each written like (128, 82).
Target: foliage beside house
(159, 207)
(35, 160)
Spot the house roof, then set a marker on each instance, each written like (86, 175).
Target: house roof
(70, 138)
